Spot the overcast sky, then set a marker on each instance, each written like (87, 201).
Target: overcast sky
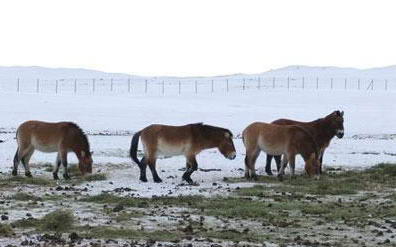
(205, 37)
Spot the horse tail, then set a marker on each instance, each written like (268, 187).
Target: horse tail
(134, 147)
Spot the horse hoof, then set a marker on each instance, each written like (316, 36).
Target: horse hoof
(280, 177)
(269, 173)
(14, 172)
(143, 180)
(55, 176)
(28, 174)
(66, 176)
(158, 180)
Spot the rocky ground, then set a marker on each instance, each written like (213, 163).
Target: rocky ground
(343, 208)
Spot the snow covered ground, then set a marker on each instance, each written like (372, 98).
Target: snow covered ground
(369, 129)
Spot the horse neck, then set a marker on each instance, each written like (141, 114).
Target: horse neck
(206, 139)
(322, 132)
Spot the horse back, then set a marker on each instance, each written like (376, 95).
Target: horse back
(271, 138)
(167, 139)
(42, 135)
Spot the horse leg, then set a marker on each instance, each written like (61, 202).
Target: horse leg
(63, 158)
(56, 168)
(292, 160)
(278, 160)
(151, 163)
(192, 166)
(25, 161)
(250, 164)
(283, 166)
(17, 160)
(268, 165)
(321, 161)
(143, 168)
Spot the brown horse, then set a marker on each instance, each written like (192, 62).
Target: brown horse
(279, 140)
(62, 137)
(188, 140)
(322, 130)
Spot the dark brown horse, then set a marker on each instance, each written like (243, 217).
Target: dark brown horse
(279, 140)
(322, 129)
(62, 137)
(188, 140)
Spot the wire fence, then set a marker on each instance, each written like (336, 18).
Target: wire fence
(156, 86)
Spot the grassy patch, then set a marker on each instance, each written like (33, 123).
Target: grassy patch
(6, 230)
(113, 232)
(341, 183)
(94, 177)
(58, 221)
(21, 196)
(11, 181)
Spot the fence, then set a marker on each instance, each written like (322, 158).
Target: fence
(154, 86)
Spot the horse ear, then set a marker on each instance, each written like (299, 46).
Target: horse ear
(82, 154)
(227, 135)
(342, 114)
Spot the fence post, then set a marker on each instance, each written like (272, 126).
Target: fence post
(111, 84)
(196, 86)
(259, 83)
(227, 86)
(56, 87)
(345, 84)
(212, 87)
(371, 85)
(75, 86)
(18, 85)
(37, 85)
(163, 87)
(93, 85)
(129, 85)
(243, 85)
(386, 85)
(273, 82)
(179, 87)
(288, 83)
(359, 84)
(317, 82)
(145, 86)
(331, 83)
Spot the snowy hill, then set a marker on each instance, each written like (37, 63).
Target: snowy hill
(289, 71)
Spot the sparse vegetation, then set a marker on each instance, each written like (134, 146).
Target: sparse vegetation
(57, 221)
(6, 230)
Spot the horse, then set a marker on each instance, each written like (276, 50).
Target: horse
(187, 140)
(286, 140)
(323, 130)
(61, 137)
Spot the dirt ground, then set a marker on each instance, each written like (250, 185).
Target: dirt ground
(342, 208)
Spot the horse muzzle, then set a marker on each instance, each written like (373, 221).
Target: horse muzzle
(340, 133)
(231, 156)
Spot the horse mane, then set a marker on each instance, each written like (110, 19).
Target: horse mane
(313, 142)
(210, 128)
(83, 136)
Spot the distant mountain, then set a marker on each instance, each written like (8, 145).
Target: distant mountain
(34, 72)
(55, 73)
(308, 71)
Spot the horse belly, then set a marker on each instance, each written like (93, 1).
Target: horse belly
(169, 149)
(272, 149)
(44, 147)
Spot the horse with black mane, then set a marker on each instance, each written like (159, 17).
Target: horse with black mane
(187, 140)
(61, 137)
(323, 130)
(286, 140)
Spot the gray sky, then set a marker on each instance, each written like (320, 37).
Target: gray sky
(181, 37)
